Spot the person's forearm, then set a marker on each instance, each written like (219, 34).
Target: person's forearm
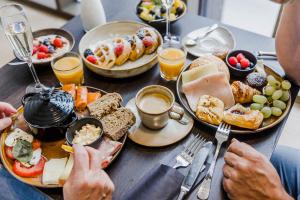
(288, 40)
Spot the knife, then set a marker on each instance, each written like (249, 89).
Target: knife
(195, 170)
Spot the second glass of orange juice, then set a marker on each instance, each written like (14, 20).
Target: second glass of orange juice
(68, 69)
(171, 58)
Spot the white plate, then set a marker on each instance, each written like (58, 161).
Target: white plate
(220, 40)
(170, 134)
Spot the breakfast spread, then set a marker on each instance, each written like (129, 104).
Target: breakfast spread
(49, 46)
(86, 135)
(108, 53)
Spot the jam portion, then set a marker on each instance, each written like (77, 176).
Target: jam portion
(239, 112)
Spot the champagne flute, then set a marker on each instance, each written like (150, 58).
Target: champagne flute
(167, 4)
(18, 32)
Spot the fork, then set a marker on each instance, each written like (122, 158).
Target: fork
(186, 157)
(221, 137)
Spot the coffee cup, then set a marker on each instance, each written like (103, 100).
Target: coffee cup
(156, 105)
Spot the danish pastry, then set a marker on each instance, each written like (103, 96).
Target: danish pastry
(122, 50)
(243, 93)
(149, 38)
(137, 47)
(243, 117)
(106, 55)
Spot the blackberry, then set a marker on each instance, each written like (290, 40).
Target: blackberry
(163, 10)
(88, 52)
(179, 11)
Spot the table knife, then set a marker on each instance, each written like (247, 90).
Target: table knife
(195, 170)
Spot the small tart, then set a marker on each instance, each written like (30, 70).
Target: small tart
(125, 49)
(137, 47)
(149, 38)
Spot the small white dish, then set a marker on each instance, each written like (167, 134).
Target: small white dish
(170, 134)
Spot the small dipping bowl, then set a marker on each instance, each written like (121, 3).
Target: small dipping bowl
(77, 127)
(241, 73)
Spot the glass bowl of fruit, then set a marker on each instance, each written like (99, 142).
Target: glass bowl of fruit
(154, 13)
(240, 63)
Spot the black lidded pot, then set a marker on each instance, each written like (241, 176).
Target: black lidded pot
(49, 113)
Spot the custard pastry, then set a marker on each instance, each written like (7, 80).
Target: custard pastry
(150, 39)
(210, 109)
(243, 93)
(122, 49)
(106, 55)
(137, 47)
(243, 117)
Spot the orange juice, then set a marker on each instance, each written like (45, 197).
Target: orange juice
(69, 70)
(171, 61)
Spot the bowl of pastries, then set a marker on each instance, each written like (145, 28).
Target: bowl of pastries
(120, 49)
(252, 104)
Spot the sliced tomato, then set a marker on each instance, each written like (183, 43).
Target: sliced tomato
(32, 171)
(36, 144)
(8, 151)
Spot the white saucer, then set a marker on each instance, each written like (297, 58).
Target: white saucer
(220, 40)
(170, 134)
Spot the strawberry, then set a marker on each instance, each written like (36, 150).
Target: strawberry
(42, 55)
(91, 59)
(43, 48)
(57, 42)
(233, 61)
(240, 56)
(119, 49)
(245, 63)
(147, 41)
(35, 49)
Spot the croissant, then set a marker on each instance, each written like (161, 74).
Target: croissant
(243, 93)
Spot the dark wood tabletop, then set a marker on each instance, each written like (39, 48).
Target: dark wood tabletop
(135, 161)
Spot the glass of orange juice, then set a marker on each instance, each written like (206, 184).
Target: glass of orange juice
(68, 69)
(171, 58)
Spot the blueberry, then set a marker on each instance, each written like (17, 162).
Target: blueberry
(163, 10)
(139, 10)
(88, 52)
(157, 17)
(129, 39)
(179, 11)
(238, 65)
(51, 49)
(152, 12)
(251, 64)
(141, 34)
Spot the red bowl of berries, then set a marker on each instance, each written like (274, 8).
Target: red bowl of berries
(240, 63)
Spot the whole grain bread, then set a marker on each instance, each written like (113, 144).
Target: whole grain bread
(107, 104)
(116, 124)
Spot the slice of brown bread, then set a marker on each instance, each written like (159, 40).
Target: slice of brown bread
(105, 105)
(116, 124)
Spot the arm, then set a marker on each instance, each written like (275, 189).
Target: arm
(288, 40)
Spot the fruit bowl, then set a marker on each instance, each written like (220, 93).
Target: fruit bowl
(240, 63)
(152, 12)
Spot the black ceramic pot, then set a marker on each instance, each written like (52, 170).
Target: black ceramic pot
(49, 113)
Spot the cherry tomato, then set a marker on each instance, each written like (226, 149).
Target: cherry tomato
(57, 42)
(32, 171)
(36, 144)
(240, 56)
(232, 61)
(245, 63)
(8, 152)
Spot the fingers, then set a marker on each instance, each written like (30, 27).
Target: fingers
(81, 160)
(95, 159)
(237, 147)
(7, 109)
(230, 172)
(231, 159)
(4, 123)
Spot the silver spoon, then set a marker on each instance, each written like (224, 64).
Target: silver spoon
(193, 41)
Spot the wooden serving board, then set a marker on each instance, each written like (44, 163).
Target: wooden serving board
(49, 149)
(267, 123)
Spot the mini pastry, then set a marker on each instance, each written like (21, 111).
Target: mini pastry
(106, 56)
(243, 93)
(137, 47)
(210, 109)
(122, 50)
(149, 38)
(243, 117)
(256, 80)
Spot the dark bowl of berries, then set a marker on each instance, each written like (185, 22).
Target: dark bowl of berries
(153, 12)
(240, 63)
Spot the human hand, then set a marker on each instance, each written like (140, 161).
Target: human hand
(6, 111)
(249, 175)
(87, 180)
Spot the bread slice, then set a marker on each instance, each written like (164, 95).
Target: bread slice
(116, 124)
(105, 105)
(52, 170)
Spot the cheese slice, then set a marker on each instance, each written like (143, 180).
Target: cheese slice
(53, 170)
(199, 72)
(66, 173)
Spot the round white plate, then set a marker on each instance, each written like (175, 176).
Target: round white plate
(220, 40)
(170, 134)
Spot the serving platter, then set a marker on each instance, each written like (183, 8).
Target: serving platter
(109, 31)
(49, 149)
(266, 124)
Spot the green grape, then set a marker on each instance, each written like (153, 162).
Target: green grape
(277, 94)
(260, 99)
(271, 78)
(286, 85)
(276, 111)
(269, 90)
(256, 106)
(266, 111)
(279, 104)
(275, 84)
(285, 96)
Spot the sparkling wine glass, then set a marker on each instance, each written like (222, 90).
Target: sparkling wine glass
(18, 32)
(167, 4)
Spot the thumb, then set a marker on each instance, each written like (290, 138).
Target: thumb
(4, 123)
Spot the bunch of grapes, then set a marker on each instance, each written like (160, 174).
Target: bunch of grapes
(274, 98)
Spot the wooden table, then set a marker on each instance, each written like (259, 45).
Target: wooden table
(135, 160)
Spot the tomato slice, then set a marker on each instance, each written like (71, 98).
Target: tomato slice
(8, 152)
(32, 171)
(36, 144)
